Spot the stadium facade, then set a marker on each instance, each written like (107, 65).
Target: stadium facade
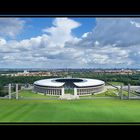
(57, 86)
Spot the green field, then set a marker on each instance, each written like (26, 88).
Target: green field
(116, 83)
(96, 110)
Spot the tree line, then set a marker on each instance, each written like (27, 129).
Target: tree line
(133, 79)
(5, 80)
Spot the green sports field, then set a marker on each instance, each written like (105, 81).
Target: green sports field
(97, 110)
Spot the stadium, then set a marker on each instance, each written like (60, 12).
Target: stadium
(59, 86)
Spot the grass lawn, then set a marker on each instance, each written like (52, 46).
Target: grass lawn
(116, 83)
(97, 110)
(108, 93)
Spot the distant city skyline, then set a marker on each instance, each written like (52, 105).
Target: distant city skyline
(69, 42)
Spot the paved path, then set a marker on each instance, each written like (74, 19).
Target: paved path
(124, 87)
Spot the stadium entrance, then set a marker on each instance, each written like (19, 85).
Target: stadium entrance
(69, 91)
(69, 85)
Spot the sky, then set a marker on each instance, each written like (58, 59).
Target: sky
(64, 42)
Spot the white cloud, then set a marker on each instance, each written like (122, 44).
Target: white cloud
(114, 42)
(85, 34)
(39, 48)
(61, 32)
(97, 43)
(135, 23)
(2, 41)
(118, 31)
(106, 55)
(11, 26)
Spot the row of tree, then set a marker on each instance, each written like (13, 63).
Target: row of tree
(133, 79)
(5, 80)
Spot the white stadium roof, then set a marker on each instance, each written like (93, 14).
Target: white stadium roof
(49, 83)
(89, 82)
(85, 83)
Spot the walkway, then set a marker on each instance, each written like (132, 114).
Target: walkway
(68, 97)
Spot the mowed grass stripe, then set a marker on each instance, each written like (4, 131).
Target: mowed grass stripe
(23, 113)
(44, 112)
(101, 110)
(10, 110)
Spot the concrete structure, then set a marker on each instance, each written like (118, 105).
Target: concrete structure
(68, 97)
(9, 91)
(17, 91)
(128, 91)
(121, 92)
(57, 86)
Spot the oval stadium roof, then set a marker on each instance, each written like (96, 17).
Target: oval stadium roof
(89, 82)
(84, 83)
(49, 83)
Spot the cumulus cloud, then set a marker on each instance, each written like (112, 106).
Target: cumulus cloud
(2, 41)
(40, 48)
(11, 26)
(106, 56)
(137, 24)
(61, 32)
(114, 42)
(118, 31)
